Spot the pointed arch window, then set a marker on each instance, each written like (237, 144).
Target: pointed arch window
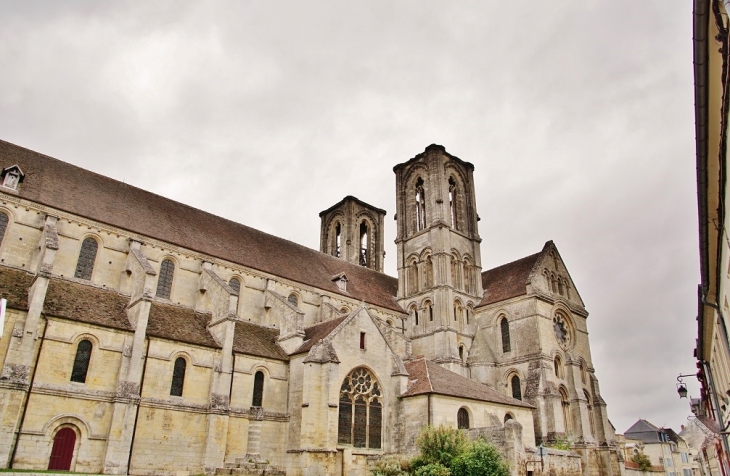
(81, 361)
(413, 277)
(589, 406)
(565, 403)
(364, 240)
(456, 272)
(164, 282)
(558, 365)
(360, 416)
(258, 390)
(462, 419)
(516, 388)
(420, 206)
(429, 272)
(178, 377)
(338, 240)
(504, 328)
(452, 202)
(87, 256)
(3, 225)
(235, 284)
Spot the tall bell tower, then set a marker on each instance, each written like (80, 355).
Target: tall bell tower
(439, 258)
(353, 230)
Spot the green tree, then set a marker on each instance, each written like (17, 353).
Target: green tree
(642, 460)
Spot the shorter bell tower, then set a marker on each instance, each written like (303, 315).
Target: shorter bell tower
(353, 230)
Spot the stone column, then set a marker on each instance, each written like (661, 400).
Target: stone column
(16, 371)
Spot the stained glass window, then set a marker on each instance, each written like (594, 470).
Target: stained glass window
(178, 377)
(462, 419)
(81, 362)
(361, 413)
(164, 283)
(87, 256)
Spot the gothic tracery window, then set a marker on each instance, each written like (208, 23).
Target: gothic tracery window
(178, 377)
(360, 411)
(87, 256)
(420, 206)
(164, 282)
(81, 362)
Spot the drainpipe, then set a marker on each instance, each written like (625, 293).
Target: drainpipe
(139, 404)
(27, 399)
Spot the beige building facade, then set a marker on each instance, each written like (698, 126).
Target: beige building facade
(143, 336)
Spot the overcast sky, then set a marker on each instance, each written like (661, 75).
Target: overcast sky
(577, 115)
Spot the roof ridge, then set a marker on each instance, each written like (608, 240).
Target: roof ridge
(514, 261)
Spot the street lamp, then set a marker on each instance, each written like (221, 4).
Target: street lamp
(681, 387)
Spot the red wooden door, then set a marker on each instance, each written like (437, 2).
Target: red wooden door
(63, 450)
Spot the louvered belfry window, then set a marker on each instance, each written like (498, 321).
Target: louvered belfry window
(87, 256)
(178, 377)
(360, 418)
(81, 362)
(164, 282)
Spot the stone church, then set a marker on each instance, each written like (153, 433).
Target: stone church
(144, 336)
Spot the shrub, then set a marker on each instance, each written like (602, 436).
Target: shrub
(439, 445)
(391, 467)
(433, 469)
(480, 459)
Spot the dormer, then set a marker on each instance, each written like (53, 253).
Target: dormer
(341, 281)
(11, 177)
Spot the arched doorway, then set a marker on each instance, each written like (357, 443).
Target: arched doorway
(63, 449)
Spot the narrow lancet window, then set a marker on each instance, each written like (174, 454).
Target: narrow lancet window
(364, 244)
(178, 377)
(3, 225)
(164, 283)
(516, 389)
(504, 327)
(338, 240)
(87, 256)
(452, 201)
(258, 390)
(420, 206)
(81, 362)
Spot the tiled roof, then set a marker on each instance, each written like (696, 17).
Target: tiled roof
(317, 332)
(429, 377)
(14, 285)
(507, 281)
(88, 304)
(66, 187)
(179, 324)
(256, 340)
